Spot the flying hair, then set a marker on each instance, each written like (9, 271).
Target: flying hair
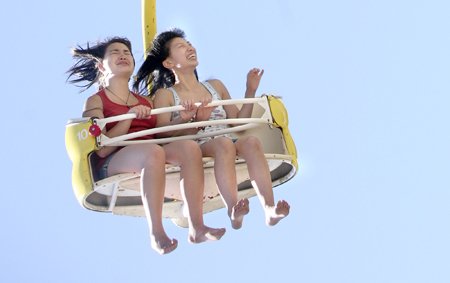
(85, 73)
(152, 75)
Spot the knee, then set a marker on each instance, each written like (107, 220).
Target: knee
(224, 147)
(154, 156)
(183, 152)
(249, 144)
(190, 149)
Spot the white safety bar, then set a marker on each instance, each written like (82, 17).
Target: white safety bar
(123, 140)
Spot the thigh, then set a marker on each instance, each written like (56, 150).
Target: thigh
(133, 158)
(248, 145)
(181, 151)
(217, 146)
(208, 148)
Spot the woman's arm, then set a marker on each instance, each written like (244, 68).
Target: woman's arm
(164, 98)
(94, 108)
(253, 79)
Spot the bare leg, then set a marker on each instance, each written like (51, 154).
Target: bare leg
(251, 150)
(223, 151)
(150, 160)
(187, 154)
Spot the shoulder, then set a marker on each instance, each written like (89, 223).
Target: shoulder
(162, 91)
(94, 98)
(215, 83)
(93, 105)
(163, 97)
(219, 87)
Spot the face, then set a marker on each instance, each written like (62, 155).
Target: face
(181, 54)
(118, 61)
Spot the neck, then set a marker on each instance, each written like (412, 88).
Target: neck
(186, 80)
(119, 87)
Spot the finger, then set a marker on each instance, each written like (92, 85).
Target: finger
(141, 113)
(186, 105)
(192, 105)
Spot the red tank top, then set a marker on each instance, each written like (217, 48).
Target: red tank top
(111, 108)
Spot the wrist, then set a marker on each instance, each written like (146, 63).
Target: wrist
(183, 120)
(250, 93)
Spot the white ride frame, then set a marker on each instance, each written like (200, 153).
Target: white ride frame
(120, 193)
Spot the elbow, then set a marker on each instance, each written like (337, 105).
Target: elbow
(101, 153)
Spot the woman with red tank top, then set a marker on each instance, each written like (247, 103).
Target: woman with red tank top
(110, 63)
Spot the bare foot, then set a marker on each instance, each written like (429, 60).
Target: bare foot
(237, 213)
(164, 246)
(275, 213)
(205, 234)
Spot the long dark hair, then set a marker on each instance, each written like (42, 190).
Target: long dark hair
(152, 75)
(85, 69)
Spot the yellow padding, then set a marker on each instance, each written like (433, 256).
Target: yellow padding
(79, 144)
(280, 119)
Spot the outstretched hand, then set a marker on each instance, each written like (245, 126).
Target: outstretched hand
(253, 79)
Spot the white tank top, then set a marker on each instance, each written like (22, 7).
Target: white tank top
(218, 113)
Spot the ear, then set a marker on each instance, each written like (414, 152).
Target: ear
(168, 63)
(100, 66)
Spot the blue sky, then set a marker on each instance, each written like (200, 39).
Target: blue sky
(366, 84)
